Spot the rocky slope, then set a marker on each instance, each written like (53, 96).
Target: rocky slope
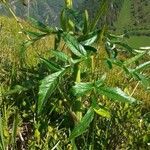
(48, 11)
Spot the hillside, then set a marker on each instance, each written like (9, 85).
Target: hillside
(134, 19)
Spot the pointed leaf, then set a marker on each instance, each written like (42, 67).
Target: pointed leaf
(90, 38)
(74, 45)
(81, 127)
(144, 80)
(142, 66)
(127, 47)
(35, 34)
(61, 55)
(81, 89)
(86, 21)
(39, 25)
(51, 65)
(47, 87)
(134, 59)
(116, 94)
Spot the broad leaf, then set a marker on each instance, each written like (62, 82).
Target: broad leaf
(100, 82)
(115, 94)
(90, 38)
(47, 87)
(74, 45)
(81, 89)
(61, 55)
(81, 127)
(51, 65)
(39, 25)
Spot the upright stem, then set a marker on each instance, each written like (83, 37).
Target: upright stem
(77, 78)
(76, 69)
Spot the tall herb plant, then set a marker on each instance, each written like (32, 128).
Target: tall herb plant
(72, 77)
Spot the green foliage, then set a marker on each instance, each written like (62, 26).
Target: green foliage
(64, 97)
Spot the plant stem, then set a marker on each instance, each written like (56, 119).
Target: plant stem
(77, 78)
(67, 106)
(135, 89)
(92, 131)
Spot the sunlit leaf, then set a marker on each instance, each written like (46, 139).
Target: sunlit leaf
(47, 87)
(81, 89)
(116, 94)
(74, 45)
(100, 110)
(61, 55)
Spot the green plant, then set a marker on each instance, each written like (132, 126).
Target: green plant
(73, 85)
(66, 83)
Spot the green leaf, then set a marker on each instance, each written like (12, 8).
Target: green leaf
(2, 139)
(61, 56)
(100, 82)
(90, 49)
(142, 66)
(40, 26)
(63, 20)
(57, 40)
(47, 87)
(144, 80)
(51, 65)
(74, 45)
(127, 47)
(100, 110)
(35, 34)
(134, 59)
(81, 89)
(116, 94)
(113, 37)
(90, 38)
(17, 89)
(81, 127)
(86, 21)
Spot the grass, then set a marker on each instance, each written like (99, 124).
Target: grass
(124, 19)
(11, 44)
(136, 41)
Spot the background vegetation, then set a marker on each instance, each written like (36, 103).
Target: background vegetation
(72, 117)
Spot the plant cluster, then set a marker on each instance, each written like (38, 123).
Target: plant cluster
(66, 103)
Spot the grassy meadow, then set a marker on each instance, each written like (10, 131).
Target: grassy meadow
(114, 125)
(134, 17)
